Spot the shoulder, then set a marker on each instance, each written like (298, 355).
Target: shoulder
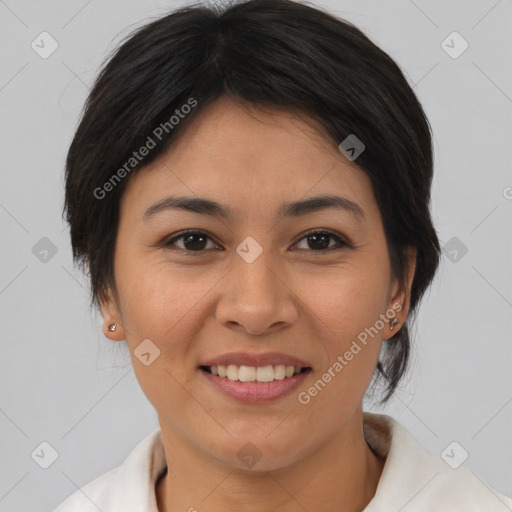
(93, 496)
(415, 479)
(128, 487)
(464, 490)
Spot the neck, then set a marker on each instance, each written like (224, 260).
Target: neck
(341, 475)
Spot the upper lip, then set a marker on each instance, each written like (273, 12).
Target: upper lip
(263, 359)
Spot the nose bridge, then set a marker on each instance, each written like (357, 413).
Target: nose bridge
(252, 268)
(256, 297)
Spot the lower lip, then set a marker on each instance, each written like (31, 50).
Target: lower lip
(256, 392)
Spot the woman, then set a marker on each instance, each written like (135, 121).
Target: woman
(293, 152)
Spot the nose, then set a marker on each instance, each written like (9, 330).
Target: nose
(256, 297)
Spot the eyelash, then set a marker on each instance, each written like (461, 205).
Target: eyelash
(341, 242)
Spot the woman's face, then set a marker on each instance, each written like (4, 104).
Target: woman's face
(253, 283)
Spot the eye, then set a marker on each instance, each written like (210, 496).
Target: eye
(193, 241)
(319, 240)
(197, 241)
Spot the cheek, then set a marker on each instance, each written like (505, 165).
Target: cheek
(161, 302)
(347, 298)
(346, 304)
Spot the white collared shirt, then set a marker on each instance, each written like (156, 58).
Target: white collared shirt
(413, 479)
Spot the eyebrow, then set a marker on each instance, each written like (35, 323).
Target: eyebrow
(209, 207)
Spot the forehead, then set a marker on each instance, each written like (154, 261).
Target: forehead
(249, 159)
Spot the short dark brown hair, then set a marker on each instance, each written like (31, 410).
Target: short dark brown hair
(280, 54)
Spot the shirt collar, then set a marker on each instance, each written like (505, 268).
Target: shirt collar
(134, 487)
(408, 466)
(408, 470)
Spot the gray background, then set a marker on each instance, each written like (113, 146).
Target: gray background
(62, 382)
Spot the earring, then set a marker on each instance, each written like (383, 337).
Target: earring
(393, 323)
(112, 327)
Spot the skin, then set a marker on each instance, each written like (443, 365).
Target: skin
(290, 299)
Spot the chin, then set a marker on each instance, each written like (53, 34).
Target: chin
(252, 453)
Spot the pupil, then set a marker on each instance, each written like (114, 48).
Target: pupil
(189, 242)
(323, 237)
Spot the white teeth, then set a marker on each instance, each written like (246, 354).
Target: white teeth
(279, 372)
(253, 373)
(246, 374)
(232, 372)
(264, 374)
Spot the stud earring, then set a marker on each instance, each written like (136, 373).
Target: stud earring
(112, 327)
(393, 323)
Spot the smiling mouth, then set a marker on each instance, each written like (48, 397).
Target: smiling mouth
(267, 373)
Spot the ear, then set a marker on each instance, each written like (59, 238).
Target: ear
(111, 314)
(401, 294)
